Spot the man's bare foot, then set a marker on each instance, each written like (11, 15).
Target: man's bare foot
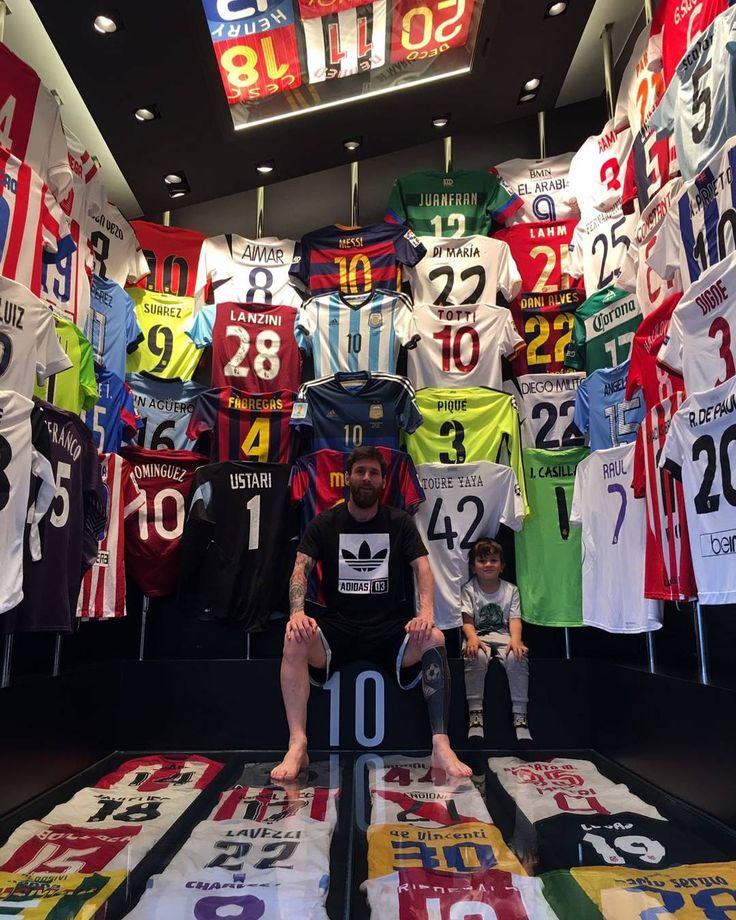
(293, 763)
(444, 758)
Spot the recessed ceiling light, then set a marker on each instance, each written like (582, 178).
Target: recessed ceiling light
(556, 9)
(441, 121)
(352, 144)
(265, 167)
(147, 113)
(105, 25)
(527, 97)
(178, 192)
(172, 179)
(177, 183)
(532, 84)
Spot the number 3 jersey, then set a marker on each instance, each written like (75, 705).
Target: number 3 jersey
(462, 504)
(166, 349)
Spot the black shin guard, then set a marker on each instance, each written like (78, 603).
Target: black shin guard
(436, 688)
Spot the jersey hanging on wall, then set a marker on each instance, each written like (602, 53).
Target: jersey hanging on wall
(544, 186)
(602, 410)
(549, 403)
(541, 253)
(172, 254)
(340, 44)
(112, 326)
(117, 255)
(75, 388)
(112, 420)
(166, 349)
(164, 408)
(603, 330)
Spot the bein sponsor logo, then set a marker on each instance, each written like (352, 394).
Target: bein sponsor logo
(721, 543)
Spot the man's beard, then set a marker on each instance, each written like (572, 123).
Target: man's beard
(364, 496)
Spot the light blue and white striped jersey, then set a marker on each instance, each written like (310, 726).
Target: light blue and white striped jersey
(112, 326)
(356, 332)
(165, 407)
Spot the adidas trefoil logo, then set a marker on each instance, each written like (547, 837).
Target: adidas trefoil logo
(364, 561)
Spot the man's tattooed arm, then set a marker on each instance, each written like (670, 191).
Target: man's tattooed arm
(298, 582)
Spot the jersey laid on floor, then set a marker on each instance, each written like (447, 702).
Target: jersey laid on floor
(346, 43)
(354, 260)
(162, 772)
(279, 807)
(397, 772)
(112, 326)
(45, 897)
(548, 548)
(471, 269)
(462, 503)
(603, 331)
(544, 187)
(462, 345)
(255, 348)
(51, 849)
(426, 893)
(233, 269)
(166, 350)
(354, 409)
(549, 403)
(428, 807)
(669, 570)
(559, 785)
(73, 389)
(541, 253)
(103, 587)
(235, 559)
(698, 344)
(117, 255)
(613, 539)
(698, 451)
(456, 204)
(172, 254)
(153, 535)
(356, 332)
(243, 426)
(645, 373)
(112, 420)
(602, 411)
(164, 408)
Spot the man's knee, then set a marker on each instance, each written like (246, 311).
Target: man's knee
(436, 638)
(295, 651)
(423, 641)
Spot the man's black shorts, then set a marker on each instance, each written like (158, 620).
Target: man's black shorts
(383, 643)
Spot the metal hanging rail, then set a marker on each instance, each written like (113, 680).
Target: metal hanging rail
(260, 209)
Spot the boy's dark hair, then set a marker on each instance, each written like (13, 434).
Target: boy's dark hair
(366, 453)
(484, 548)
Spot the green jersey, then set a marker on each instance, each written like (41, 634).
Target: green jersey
(451, 204)
(465, 425)
(603, 330)
(74, 389)
(548, 568)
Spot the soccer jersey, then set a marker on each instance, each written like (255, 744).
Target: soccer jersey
(278, 807)
(398, 772)
(603, 331)
(234, 563)
(75, 388)
(548, 548)
(463, 345)
(345, 43)
(549, 403)
(254, 348)
(637, 275)
(162, 772)
(456, 204)
(541, 253)
(166, 350)
(428, 807)
(172, 254)
(698, 451)
(543, 185)
(49, 896)
(354, 260)
(44, 849)
(244, 426)
(354, 332)
(613, 541)
(698, 342)
(668, 573)
(645, 373)
(462, 504)
(675, 28)
(234, 269)
(112, 327)
(153, 536)
(112, 420)
(354, 409)
(597, 172)
(602, 410)
(117, 255)
(164, 408)
(471, 269)
(546, 322)
(29, 348)
(102, 595)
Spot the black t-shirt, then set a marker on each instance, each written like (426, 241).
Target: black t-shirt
(363, 562)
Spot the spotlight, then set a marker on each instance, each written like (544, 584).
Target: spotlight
(267, 166)
(532, 84)
(442, 121)
(105, 25)
(147, 113)
(177, 184)
(527, 97)
(172, 179)
(556, 9)
(353, 143)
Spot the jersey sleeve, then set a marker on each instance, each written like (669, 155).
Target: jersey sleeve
(395, 209)
(299, 481)
(503, 203)
(301, 416)
(509, 278)
(467, 608)
(130, 420)
(670, 352)
(576, 509)
(88, 392)
(133, 497)
(575, 262)
(575, 352)
(202, 280)
(203, 324)
(409, 416)
(661, 121)
(305, 326)
(133, 332)
(138, 267)
(635, 378)
(405, 325)
(41, 469)
(95, 504)
(638, 478)
(412, 492)
(511, 342)
(203, 417)
(409, 248)
(582, 407)
(60, 174)
(672, 456)
(52, 359)
(662, 257)
(55, 227)
(512, 513)
(299, 271)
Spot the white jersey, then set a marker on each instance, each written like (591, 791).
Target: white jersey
(239, 270)
(544, 187)
(420, 894)
(193, 899)
(19, 463)
(117, 255)
(425, 805)
(701, 340)
(597, 170)
(549, 411)
(700, 450)
(356, 332)
(398, 772)
(462, 346)
(462, 270)
(613, 538)
(29, 347)
(563, 785)
(271, 805)
(293, 853)
(463, 503)
(346, 43)
(599, 247)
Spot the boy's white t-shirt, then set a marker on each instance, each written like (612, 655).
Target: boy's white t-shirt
(490, 612)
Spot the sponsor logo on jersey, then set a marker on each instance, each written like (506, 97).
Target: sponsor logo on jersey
(611, 318)
(721, 543)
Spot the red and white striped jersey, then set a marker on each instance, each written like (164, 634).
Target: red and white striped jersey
(160, 771)
(30, 123)
(668, 568)
(30, 221)
(271, 805)
(61, 849)
(102, 595)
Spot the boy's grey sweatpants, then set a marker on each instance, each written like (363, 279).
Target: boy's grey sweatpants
(517, 673)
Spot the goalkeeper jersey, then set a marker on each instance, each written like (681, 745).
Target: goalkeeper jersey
(74, 389)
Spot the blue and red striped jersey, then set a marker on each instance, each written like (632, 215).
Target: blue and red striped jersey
(355, 259)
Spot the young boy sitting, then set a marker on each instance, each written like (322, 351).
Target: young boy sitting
(492, 624)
